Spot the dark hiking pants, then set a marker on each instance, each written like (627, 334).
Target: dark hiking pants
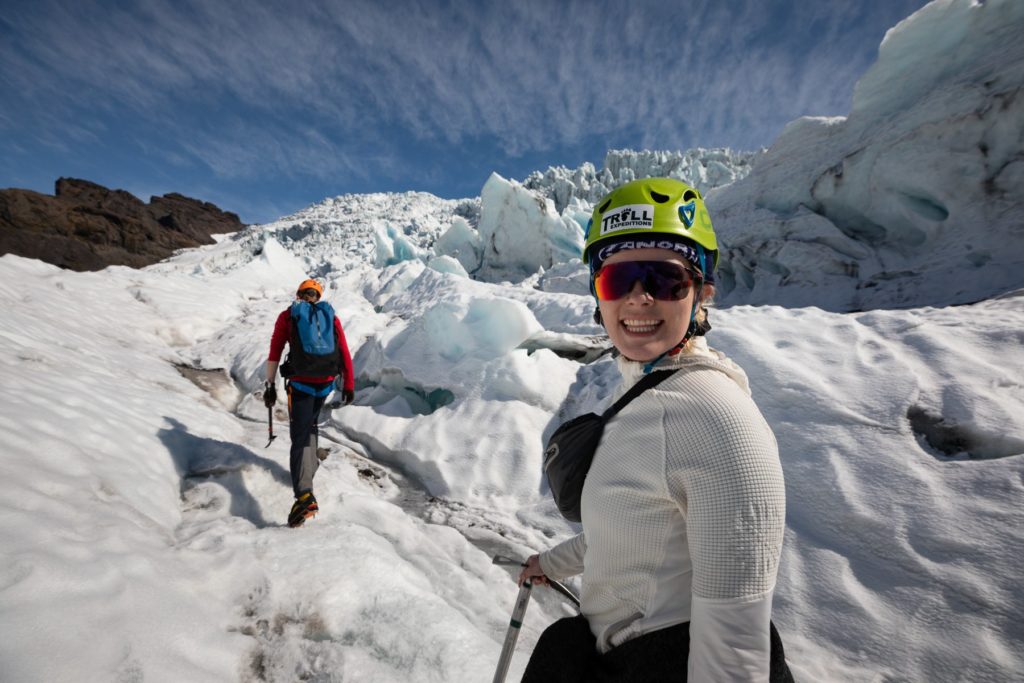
(303, 411)
(567, 653)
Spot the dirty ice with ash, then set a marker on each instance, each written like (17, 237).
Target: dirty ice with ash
(872, 286)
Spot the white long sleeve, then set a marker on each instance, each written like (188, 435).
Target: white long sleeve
(565, 559)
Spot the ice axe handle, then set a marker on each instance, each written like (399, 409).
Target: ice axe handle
(557, 586)
(522, 602)
(270, 425)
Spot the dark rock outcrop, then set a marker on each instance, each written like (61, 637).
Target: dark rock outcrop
(86, 226)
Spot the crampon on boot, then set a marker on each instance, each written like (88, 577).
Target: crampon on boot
(304, 507)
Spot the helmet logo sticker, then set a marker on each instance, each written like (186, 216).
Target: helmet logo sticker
(688, 212)
(628, 217)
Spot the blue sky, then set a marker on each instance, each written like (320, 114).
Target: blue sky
(264, 106)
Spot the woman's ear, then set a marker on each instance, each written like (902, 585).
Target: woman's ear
(707, 293)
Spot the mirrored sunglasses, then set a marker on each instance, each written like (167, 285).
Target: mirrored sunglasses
(309, 293)
(663, 280)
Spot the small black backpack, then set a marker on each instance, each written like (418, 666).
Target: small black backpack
(570, 450)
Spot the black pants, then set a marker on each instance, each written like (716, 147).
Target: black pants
(303, 410)
(567, 653)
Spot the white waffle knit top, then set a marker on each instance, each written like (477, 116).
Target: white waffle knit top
(683, 515)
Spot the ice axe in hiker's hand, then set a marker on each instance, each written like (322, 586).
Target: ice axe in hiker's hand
(556, 586)
(518, 612)
(269, 399)
(270, 426)
(512, 635)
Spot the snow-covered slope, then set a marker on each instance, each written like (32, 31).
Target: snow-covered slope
(917, 197)
(371, 230)
(138, 506)
(142, 510)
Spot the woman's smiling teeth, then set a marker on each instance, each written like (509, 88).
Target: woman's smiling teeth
(641, 326)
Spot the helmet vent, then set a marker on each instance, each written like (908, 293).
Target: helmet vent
(658, 197)
(604, 207)
(690, 194)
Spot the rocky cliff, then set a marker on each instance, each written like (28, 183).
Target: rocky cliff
(86, 226)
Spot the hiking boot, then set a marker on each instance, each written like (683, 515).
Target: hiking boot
(304, 507)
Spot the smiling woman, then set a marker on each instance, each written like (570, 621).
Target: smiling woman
(683, 507)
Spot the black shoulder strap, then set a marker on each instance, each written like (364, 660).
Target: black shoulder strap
(645, 383)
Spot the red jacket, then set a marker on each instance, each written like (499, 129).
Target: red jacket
(283, 332)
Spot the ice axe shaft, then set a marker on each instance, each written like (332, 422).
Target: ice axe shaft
(270, 425)
(522, 602)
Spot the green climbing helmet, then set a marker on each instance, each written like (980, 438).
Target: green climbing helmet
(650, 207)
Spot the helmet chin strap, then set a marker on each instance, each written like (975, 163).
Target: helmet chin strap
(694, 328)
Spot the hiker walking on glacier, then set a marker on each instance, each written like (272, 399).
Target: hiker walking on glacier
(318, 361)
(683, 507)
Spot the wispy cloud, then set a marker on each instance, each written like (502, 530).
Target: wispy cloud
(333, 89)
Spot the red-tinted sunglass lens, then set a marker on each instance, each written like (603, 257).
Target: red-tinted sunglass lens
(661, 279)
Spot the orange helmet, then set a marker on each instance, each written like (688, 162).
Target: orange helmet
(310, 284)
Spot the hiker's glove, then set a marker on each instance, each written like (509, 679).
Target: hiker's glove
(269, 394)
(347, 396)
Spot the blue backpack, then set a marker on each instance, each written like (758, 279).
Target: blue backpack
(313, 350)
